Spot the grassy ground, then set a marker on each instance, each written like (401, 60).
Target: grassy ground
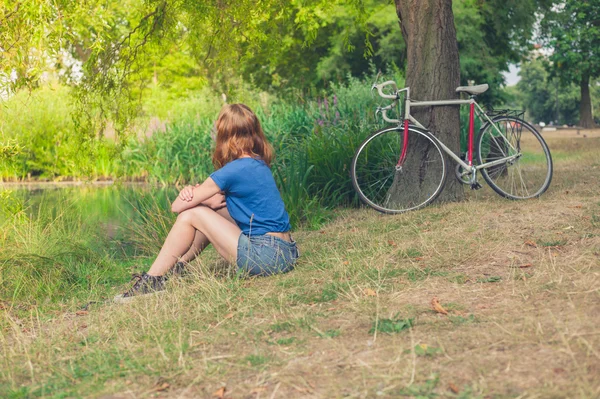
(519, 281)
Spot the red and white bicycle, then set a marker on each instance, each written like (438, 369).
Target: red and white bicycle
(403, 168)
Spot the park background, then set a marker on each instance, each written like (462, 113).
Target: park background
(516, 278)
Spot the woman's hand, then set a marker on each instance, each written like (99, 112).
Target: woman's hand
(192, 196)
(187, 193)
(215, 202)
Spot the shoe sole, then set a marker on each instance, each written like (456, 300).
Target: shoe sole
(128, 299)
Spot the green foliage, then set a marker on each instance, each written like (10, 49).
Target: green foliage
(340, 43)
(491, 279)
(491, 35)
(330, 334)
(424, 390)
(182, 153)
(284, 326)
(539, 95)
(572, 31)
(426, 350)
(46, 255)
(391, 326)
(38, 139)
(460, 320)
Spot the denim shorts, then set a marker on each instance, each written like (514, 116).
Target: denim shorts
(265, 255)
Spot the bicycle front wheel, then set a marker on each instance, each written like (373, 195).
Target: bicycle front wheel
(523, 164)
(388, 185)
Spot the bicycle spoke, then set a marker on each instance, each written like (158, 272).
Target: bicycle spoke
(525, 176)
(416, 183)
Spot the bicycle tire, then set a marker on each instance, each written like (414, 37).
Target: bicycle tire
(376, 159)
(529, 175)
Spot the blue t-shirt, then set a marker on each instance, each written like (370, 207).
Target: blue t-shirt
(252, 197)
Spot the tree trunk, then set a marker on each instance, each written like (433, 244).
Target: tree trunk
(586, 118)
(432, 73)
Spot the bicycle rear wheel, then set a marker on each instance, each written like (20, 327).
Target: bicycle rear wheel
(389, 188)
(529, 174)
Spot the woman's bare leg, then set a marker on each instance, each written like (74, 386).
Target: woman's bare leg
(200, 240)
(216, 228)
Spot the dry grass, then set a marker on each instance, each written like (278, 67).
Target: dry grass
(519, 279)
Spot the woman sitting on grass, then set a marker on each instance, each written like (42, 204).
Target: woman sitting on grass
(238, 209)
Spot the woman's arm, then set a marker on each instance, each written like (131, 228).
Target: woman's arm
(200, 194)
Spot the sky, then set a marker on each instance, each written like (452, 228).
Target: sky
(511, 76)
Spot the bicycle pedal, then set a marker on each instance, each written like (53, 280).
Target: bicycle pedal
(475, 186)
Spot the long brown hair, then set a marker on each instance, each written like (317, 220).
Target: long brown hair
(239, 133)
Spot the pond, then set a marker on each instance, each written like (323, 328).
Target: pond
(110, 207)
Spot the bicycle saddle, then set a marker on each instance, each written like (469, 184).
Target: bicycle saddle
(473, 90)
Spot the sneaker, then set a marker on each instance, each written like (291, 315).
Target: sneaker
(144, 285)
(178, 270)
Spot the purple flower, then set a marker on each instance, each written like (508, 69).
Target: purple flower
(334, 100)
(326, 104)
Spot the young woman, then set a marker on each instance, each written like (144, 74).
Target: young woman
(238, 209)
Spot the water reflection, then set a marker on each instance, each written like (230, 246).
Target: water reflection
(108, 206)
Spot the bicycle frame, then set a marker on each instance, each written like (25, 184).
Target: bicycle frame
(473, 108)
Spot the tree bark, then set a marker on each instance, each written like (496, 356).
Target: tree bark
(586, 119)
(432, 73)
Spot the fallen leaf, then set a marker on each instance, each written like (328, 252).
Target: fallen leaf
(219, 393)
(162, 387)
(453, 388)
(531, 244)
(329, 309)
(419, 258)
(392, 243)
(81, 312)
(346, 262)
(569, 228)
(435, 303)
(369, 292)
(228, 316)
(526, 265)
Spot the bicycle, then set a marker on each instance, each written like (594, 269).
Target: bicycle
(403, 168)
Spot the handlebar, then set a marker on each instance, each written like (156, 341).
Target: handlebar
(394, 97)
(382, 94)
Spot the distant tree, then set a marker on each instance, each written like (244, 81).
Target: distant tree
(572, 31)
(544, 98)
(491, 35)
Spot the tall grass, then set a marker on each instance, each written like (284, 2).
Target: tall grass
(314, 141)
(181, 154)
(52, 251)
